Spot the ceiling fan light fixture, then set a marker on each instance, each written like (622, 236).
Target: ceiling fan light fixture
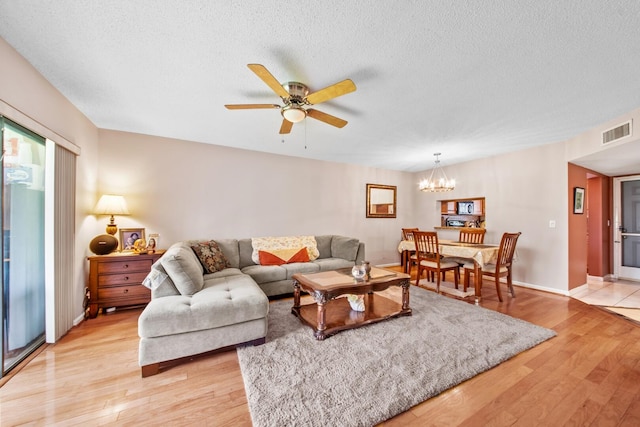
(438, 181)
(294, 113)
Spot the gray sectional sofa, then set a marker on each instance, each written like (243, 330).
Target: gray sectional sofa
(192, 311)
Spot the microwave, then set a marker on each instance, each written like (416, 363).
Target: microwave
(465, 208)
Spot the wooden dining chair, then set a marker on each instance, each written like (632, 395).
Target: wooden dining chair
(502, 267)
(468, 235)
(472, 235)
(407, 234)
(428, 258)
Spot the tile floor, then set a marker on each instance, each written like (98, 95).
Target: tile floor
(619, 296)
(618, 293)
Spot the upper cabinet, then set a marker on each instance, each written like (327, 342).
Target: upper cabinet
(459, 213)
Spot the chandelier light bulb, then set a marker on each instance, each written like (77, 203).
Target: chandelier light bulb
(438, 181)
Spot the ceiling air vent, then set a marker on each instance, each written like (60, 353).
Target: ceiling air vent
(616, 133)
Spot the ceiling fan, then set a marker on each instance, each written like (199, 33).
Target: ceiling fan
(296, 99)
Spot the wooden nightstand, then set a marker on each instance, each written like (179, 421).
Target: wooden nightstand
(115, 280)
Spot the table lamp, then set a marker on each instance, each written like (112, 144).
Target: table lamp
(110, 204)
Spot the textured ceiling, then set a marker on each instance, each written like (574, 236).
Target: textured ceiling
(467, 79)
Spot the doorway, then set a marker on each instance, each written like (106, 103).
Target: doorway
(626, 213)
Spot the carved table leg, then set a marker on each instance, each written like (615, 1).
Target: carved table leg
(405, 294)
(296, 298)
(321, 321)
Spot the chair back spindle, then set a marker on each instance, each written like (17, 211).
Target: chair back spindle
(427, 245)
(472, 235)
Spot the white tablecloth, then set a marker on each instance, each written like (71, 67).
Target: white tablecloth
(480, 253)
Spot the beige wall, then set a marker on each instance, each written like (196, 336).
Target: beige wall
(184, 190)
(523, 191)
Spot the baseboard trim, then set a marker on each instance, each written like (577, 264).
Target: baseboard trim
(578, 289)
(393, 264)
(542, 288)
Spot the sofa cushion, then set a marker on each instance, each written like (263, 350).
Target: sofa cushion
(265, 273)
(210, 256)
(222, 301)
(324, 246)
(283, 256)
(301, 267)
(327, 264)
(286, 242)
(223, 273)
(344, 247)
(246, 250)
(230, 250)
(184, 269)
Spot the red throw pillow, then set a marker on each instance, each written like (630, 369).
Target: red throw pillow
(283, 256)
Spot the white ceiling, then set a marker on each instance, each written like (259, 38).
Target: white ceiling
(467, 79)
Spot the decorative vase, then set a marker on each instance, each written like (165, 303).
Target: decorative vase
(356, 302)
(366, 266)
(358, 272)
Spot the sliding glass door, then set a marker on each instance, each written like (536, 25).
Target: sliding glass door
(22, 272)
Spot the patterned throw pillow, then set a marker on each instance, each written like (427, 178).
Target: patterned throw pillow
(283, 256)
(210, 256)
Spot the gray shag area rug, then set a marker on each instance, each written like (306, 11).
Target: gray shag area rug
(364, 376)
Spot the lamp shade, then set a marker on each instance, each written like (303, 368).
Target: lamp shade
(294, 113)
(110, 204)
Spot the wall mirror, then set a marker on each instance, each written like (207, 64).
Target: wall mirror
(381, 201)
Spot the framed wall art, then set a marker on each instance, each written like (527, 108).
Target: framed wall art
(381, 201)
(578, 200)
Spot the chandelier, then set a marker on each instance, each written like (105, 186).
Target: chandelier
(438, 181)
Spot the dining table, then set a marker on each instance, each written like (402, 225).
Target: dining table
(480, 253)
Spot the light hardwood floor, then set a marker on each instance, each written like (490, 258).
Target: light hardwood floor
(588, 375)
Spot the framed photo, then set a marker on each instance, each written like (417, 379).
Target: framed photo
(153, 242)
(128, 237)
(381, 201)
(578, 200)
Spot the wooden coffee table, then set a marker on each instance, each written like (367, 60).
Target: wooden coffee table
(330, 314)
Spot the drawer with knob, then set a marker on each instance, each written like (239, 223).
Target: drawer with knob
(122, 266)
(119, 279)
(128, 292)
(115, 280)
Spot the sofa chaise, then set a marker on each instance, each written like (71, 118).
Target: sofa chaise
(214, 294)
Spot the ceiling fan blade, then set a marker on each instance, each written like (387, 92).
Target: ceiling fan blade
(268, 78)
(333, 91)
(250, 106)
(286, 126)
(327, 118)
